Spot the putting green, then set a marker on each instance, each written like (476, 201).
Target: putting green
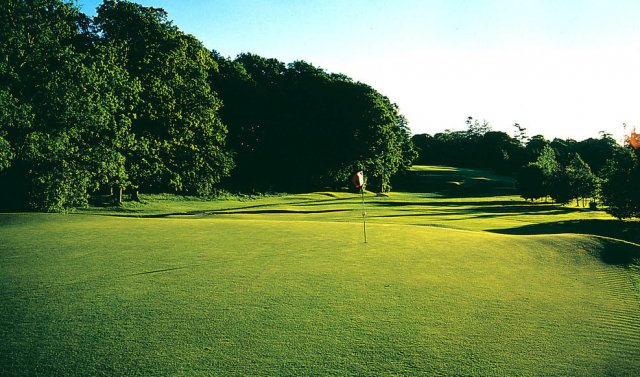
(285, 286)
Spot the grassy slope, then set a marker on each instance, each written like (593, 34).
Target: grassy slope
(259, 292)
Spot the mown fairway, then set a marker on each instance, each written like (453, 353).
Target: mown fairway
(458, 278)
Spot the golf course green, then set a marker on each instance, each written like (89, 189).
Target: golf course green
(459, 277)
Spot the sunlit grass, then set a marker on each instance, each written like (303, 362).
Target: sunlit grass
(285, 285)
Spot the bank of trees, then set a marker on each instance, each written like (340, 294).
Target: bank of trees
(562, 170)
(127, 101)
(297, 127)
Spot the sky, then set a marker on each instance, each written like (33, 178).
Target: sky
(560, 68)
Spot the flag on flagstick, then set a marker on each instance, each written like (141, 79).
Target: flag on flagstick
(358, 183)
(358, 180)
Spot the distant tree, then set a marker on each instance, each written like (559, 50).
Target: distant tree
(583, 183)
(549, 166)
(547, 161)
(565, 149)
(560, 187)
(477, 146)
(621, 186)
(530, 182)
(425, 148)
(596, 152)
(292, 118)
(520, 134)
(409, 152)
(500, 152)
(475, 128)
(534, 147)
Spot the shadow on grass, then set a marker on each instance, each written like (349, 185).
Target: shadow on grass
(619, 253)
(221, 212)
(613, 251)
(484, 208)
(459, 183)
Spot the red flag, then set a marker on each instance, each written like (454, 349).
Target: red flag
(358, 180)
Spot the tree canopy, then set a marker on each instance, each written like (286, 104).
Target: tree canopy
(126, 100)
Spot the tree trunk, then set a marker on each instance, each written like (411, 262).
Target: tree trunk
(120, 195)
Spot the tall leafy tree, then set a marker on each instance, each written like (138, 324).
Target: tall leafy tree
(179, 137)
(297, 127)
(596, 152)
(530, 182)
(621, 185)
(539, 179)
(583, 183)
(64, 106)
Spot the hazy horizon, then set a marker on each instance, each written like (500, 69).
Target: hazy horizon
(561, 69)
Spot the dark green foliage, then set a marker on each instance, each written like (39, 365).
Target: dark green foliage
(6, 154)
(561, 169)
(63, 111)
(534, 147)
(179, 139)
(477, 147)
(583, 183)
(530, 182)
(621, 186)
(563, 182)
(539, 179)
(128, 101)
(596, 152)
(295, 127)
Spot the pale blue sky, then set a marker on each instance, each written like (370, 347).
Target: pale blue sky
(560, 68)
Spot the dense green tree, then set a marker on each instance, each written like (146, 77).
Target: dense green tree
(583, 183)
(500, 152)
(530, 182)
(621, 185)
(541, 178)
(559, 186)
(477, 146)
(62, 107)
(565, 149)
(179, 139)
(128, 100)
(596, 152)
(534, 147)
(297, 127)
(549, 165)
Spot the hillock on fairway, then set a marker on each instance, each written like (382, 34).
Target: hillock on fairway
(459, 277)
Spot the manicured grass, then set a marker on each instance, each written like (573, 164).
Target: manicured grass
(284, 285)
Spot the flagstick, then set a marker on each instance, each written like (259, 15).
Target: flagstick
(364, 215)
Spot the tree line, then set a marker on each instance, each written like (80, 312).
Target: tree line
(127, 101)
(594, 170)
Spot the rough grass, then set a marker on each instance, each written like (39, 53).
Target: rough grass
(285, 286)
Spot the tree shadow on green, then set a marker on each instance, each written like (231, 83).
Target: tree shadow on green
(481, 208)
(459, 183)
(613, 251)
